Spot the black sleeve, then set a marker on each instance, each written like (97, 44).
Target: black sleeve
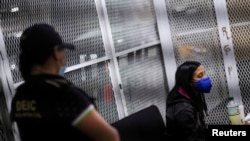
(73, 103)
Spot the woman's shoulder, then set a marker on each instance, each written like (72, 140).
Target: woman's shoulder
(183, 106)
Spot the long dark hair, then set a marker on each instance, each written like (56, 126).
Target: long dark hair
(184, 75)
(184, 78)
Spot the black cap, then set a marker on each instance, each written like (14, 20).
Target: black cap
(42, 37)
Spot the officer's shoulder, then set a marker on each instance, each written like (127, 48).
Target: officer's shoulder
(58, 83)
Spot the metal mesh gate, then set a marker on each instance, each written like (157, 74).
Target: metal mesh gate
(96, 82)
(78, 23)
(133, 26)
(132, 23)
(195, 37)
(137, 47)
(239, 17)
(143, 79)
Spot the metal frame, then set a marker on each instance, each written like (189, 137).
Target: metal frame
(85, 64)
(113, 63)
(5, 71)
(166, 41)
(227, 49)
(7, 87)
(78, 66)
(134, 49)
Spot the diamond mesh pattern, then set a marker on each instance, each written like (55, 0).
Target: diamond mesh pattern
(132, 22)
(75, 20)
(194, 34)
(143, 79)
(195, 37)
(13, 23)
(95, 81)
(239, 17)
(78, 23)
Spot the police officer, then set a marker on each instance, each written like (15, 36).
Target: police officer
(47, 106)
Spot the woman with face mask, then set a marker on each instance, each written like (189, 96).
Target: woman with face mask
(186, 105)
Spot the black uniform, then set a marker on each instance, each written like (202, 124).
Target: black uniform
(46, 107)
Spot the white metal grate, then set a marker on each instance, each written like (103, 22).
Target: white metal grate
(77, 21)
(239, 17)
(195, 37)
(132, 22)
(95, 81)
(144, 82)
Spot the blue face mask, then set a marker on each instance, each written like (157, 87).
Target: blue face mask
(203, 85)
(62, 70)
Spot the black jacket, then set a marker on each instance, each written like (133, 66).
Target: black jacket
(184, 118)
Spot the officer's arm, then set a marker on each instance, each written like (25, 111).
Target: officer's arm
(94, 126)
